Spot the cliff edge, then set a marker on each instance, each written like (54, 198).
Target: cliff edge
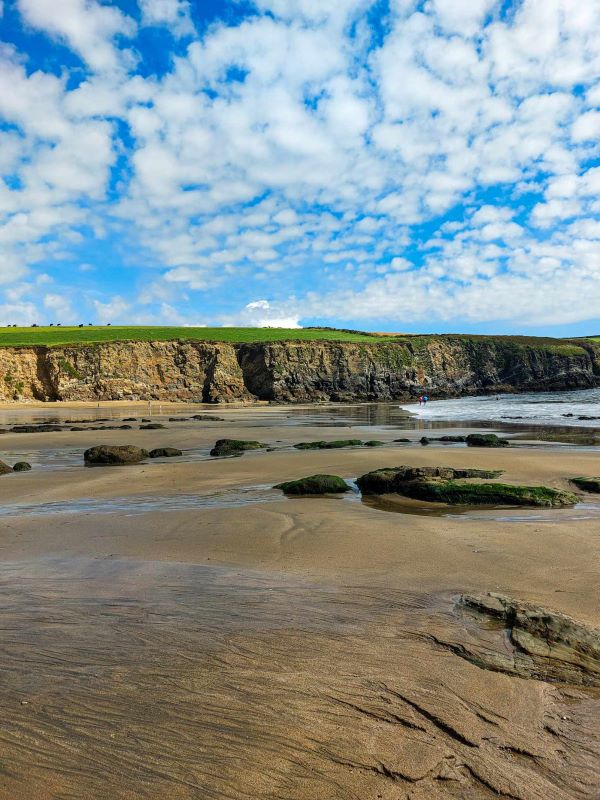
(297, 371)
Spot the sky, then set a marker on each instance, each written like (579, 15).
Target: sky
(387, 165)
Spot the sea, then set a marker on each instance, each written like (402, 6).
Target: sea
(578, 408)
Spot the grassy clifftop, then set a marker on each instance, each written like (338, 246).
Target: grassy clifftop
(53, 336)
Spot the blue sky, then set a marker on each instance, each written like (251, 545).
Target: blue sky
(391, 165)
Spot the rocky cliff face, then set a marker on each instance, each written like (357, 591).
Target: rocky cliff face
(296, 371)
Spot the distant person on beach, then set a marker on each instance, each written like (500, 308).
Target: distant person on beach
(425, 399)
(420, 400)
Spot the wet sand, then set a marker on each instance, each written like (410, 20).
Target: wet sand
(257, 646)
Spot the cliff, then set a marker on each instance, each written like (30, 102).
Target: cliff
(296, 371)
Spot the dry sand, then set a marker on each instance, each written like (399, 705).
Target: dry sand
(256, 646)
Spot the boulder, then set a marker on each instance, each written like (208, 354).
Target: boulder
(547, 645)
(333, 445)
(374, 443)
(234, 447)
(391, 480)
(114, 454)
(152, 426)
(315, 484)
(587, 484)
(485, 440)
(22, 466)
(4, 468)
(165, 452)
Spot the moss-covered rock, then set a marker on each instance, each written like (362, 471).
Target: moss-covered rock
(587, 484)
(109, 455)
(165, 452)
(315, 484)
(152, 426)
(22, 466)
(234, 447)
(495, 494)
(374, 443)
(485, 440)
(391, 480)
(334, 445)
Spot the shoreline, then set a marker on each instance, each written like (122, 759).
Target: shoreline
(269, 648)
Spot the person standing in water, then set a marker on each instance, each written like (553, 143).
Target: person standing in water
(425, 399)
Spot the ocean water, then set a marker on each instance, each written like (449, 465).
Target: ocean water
(540, 408)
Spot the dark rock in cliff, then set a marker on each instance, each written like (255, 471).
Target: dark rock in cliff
(485, 440)
(114, 454)
(165, 452)
(315, 484)
(234, 447)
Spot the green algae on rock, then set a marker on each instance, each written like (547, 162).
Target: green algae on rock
(587, 484)
(234, 447)
(22, 466)
(444, 485)
(314, 484)
(390, 480)
(334, 445)
(494, 494)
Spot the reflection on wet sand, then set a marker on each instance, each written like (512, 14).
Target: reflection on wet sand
(125, 679)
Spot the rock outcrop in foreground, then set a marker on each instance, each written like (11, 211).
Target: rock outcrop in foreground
(547, 645)
(297, 371)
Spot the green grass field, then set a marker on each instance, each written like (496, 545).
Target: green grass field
(15, 337)
(19, 337)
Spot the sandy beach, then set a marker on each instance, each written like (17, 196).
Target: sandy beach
(180, 629)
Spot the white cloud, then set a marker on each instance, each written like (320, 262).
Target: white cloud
(172, 14)
(586, 128)
(85, 26)
(290, 145)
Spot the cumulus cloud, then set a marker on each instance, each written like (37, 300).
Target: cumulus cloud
(87, 27)
(406, 173)
(172, 14)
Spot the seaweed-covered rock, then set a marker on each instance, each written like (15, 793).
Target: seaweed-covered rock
(374, 443)
(207, 418)
(587, 484)
(165, 452)
(391, 480)
(107, 455)
(451, 492)
(22, 466)
(548, 645)
(454, 439)
(315, 484)
(404, 440)
(234, 447)
(36, 428)
(485, 440)
(334, 445)
(152, 426)
(4, 468)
